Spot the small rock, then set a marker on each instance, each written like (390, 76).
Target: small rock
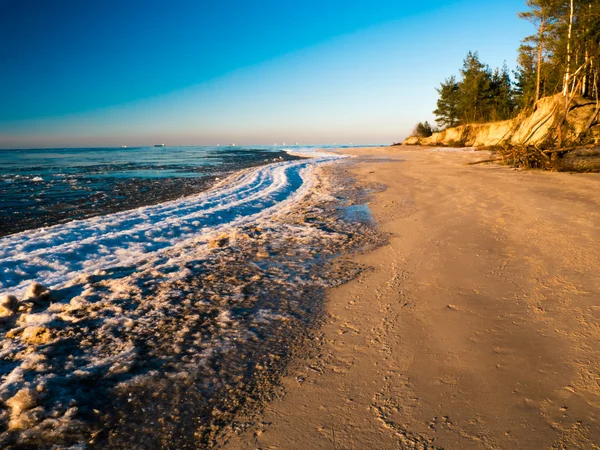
(14, 333)
(37, 293)
(8, 305)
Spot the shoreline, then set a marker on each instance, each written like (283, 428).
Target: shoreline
(165, 348)
(109, 194)
(475, 327)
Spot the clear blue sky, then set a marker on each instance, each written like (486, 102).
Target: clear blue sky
(134, 72)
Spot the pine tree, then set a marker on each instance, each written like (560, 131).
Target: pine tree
(474, 104)
(447, 111)
(502, 101)
(543, 15)
(525, 75)
(423, 129)
(567, 41)
(480, 96)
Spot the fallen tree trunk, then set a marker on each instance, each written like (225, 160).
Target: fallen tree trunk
(573, 159)
(578, 160)
(570, 149)
(483, 161)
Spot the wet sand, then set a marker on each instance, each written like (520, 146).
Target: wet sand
(476, 326)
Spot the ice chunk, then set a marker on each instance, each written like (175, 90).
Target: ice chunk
(8, 305)
(37, 293)
(22, 401)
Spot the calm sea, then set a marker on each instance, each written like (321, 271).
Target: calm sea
(43, 187)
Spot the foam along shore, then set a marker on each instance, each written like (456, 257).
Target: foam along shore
(475, 327)
(161, 323)
(52, 256)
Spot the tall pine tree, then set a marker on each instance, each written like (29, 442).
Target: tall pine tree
(447, 112)
(479, 96)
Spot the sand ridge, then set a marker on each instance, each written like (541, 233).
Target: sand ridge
(475, 327)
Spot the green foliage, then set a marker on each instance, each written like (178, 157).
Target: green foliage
(481, 95)
(423, 129)
(525, 77)
(502, 95)
(552, 55)
(563, 55)
(474, 90)
(447, 111)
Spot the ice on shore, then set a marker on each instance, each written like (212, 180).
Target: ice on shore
(55, 255)
(8, 305)
(154, 316)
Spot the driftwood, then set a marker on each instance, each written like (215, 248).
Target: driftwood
(527, 156)
(483, 161)
(578, 160)
(571, 149)
(584, 158)
(568, 159)
(592, 119)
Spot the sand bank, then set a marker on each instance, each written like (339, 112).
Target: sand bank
(476, 327)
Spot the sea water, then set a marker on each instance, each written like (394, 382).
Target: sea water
(43, 187)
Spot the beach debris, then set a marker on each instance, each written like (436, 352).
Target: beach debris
(24, 400)
(262, 254)
(8, 305)
(36, 335)
(472, 163)
(37, 293)
(220, 241)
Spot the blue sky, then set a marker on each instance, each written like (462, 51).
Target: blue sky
(83, 73)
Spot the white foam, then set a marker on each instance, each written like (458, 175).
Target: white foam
(57, 254)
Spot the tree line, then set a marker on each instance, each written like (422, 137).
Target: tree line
(481, 95)
(562, 56)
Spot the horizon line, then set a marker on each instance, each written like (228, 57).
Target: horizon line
(233, 145)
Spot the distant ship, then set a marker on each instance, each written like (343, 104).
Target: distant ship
(159, 145)
(123, 146)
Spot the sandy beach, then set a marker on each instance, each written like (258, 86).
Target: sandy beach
(476, 326)
(285, 227)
